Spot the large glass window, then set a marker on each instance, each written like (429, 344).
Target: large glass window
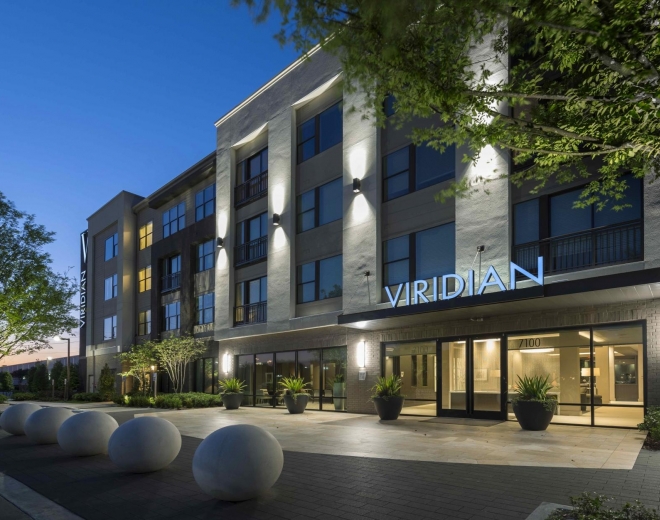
(323, 131)
(396, 260)
(144, 323)
(265, 380)
(174, 219)
(415, 364)
(205, 255)
(111, 246)
(110, 328)
(251, 299)
(172, 314)
(205, 308)
(146, 235)
(416, 167)
(205, 203)
(320, 280)
(144, 279)
(171, 273)
(245, 372)
(110, 289)
(206, 375)
(252, 167)
(320, 206)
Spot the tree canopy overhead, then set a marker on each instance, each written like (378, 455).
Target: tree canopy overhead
(581, 94)
(35, 302)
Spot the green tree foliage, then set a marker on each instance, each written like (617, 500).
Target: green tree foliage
(580, 96)
(107, 381)
(38, 378)
(6, 382)
(174, 354)
(75, 379)
(35, 302)
(56, 371)
(138, 362)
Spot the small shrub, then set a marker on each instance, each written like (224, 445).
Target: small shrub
(139, 401)
(592, 507)
(24, 396)
(187, 400)
(386, 387)
(88, 397)
(651, 425)
(3, 399)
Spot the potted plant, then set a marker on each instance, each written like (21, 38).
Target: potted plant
(232, 392)
(533, 406)
(387, 397)
(295, 395)
(339, 391)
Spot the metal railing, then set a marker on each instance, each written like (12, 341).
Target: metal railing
(251, 251)
(169, 282)
(607, 245)
(251, 189)
(253, 313)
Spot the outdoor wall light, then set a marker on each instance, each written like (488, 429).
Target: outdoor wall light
(361, 354)
(276, 219)
(220, 242)
(225, 362)
(357, 185)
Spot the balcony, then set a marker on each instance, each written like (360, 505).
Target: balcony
(247, 314)
(170, 282)
(597, 247)
(250, 190)
(251, 252)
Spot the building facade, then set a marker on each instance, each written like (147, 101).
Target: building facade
(310, 244)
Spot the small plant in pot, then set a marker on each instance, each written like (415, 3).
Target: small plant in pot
(232, 392)
(295, 394)
(338, 391)
(533, 407)
(387, 397)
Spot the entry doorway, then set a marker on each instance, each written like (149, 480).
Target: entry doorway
(472, 377)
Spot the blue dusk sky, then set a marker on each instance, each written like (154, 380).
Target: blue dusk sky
(102, 96)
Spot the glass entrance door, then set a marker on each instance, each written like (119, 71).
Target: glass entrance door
(471, 378)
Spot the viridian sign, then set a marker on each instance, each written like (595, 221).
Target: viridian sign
(420, 291)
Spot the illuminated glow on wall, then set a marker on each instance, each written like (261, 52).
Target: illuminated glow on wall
(361, 354)
(357, 161)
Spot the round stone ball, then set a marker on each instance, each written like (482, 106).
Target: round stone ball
(13, 418)
(86, 433)
(41, 427)
(238, 462)
(144, 444)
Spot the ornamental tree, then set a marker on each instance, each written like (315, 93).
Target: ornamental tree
(175, 353)
(580, 98)
(35, 302)
(138, 361)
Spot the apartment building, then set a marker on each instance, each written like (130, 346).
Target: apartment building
(310, 243)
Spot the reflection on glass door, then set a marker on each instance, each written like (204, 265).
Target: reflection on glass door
(309, 368)
(285, 366)
(334, 374)
(244, 372)
(487, 375)
(454, 389)
(264, 383)
(415, 364)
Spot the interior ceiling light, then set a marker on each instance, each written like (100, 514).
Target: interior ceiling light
(536, 350)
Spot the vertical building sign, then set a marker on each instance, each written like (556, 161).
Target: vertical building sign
(83, 293)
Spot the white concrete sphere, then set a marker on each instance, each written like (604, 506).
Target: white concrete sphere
(144, 444)
(86, 433)
(238, 462)
(13, 418)
(41, 427)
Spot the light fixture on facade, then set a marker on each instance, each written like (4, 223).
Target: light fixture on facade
(276, 219)
(225, 362)
(220, 242)
(361, 354)
(357, 185)
(536, 350)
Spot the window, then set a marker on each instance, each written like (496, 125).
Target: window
(172, 316)
(146, 235)
(171, 273)
(252, 167)
(388, 105)
(251, 298)
(111, 247)
(144, 279)
(205, 307)
(320, 280)
(110, 328)
(251, 239)
(174, 219)
(419, 256)
(526, 222)
(205, 256)
(416, 167)
(205, 203)
(323, 131)
(144, 323)
(320, 206)
(111, 287)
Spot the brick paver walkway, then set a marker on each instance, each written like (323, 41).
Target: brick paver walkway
(317, 486)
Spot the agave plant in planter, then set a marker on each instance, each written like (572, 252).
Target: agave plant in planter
(387, 397)
(232, 392)
(533, 407)
(295, 395)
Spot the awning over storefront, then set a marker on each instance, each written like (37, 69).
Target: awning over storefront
(601, 290)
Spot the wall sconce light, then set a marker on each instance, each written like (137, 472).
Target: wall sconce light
(276, 219)
(361, 354)
(357, 185)
(225, 362)
(220, 242)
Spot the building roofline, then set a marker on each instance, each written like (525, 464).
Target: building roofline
(122, 192)
(265, 87)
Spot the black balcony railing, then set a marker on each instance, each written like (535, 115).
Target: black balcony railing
(253, 313)
(169, 282)
(251, 252)
(252, 189)
(607, 245)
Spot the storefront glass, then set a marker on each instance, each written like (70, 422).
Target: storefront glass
(415, 363)
(454, 390)
(245, 373)
(334, 375)
(264, 381)
(206, 375)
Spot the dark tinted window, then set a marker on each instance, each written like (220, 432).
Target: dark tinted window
(388, 105)
(396, 253)
(330, 277)
(205, 256)
(330, 127)
(329, 199)
(565, 219)
(526, 222)
(432, 166)
(397, 175)
(111, 247)
(205, 203)
(306, 211)
(307, 282)
(633, 197)
(174, 219)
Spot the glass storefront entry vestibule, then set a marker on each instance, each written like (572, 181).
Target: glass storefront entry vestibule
(596, 373)
(323, 369)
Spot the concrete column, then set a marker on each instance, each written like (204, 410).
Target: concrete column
(224, 304)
